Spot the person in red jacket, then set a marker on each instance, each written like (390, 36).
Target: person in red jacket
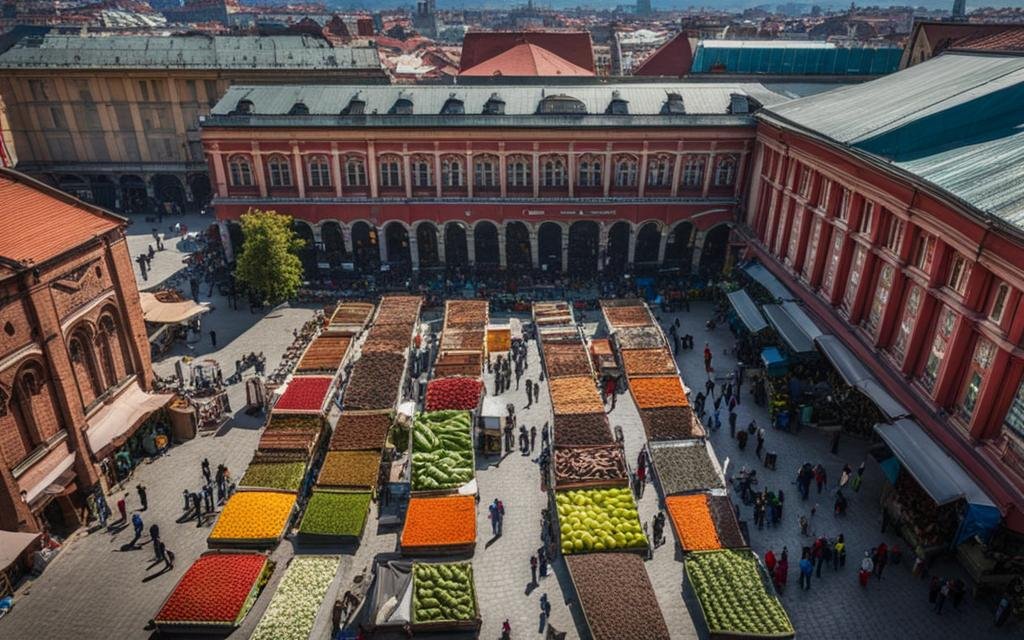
(769, 561)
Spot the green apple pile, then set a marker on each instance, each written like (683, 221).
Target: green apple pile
(733, 595)
(442, 592)
(598, 520)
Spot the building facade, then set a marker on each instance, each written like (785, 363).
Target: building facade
(576, 178)
(73, 351)
(115, 119)
(904, 236)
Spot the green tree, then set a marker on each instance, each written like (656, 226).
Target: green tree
(269, 263)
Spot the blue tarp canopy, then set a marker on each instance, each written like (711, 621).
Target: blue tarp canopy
(857, 375)
(747, 311)
(765, 278)
(771, 356)
(790, 332)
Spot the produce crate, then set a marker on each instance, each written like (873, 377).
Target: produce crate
(615, 596)
(556, 520)
(552, 314)
(306, 394)
(426, 493)
(695, 457)
(315, 531)
(620, 475)
(325, 354)
(472, 624)
(456, 513)
(239, 509)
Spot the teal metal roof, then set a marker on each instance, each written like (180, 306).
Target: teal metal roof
(796, 58)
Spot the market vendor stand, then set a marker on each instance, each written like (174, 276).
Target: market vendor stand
(242, 512)
(615, 597)
(489, 426)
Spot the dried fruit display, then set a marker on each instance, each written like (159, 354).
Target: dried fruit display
(647, 361)
(217, 590)
(466, 313)
(604, 465)
(563, 360)
(335, 514)
(442, 450)
(683, 468)
(352, 313)
(439, 522)
(633, 316)
(574, 394)
(551, 313)
(453, 393)
(598, 520)
(499, 340)
(671, 423)
(398, 310)
(692, 521)
(309, 422)
(390, 332)
(462, 340)
(660, 391)
(324, 354)
(640, 338)
(620, 302)
(374, 381)
(616, 596)
(359, 431)
(286, 476)
(385, 345)
(307, 394)
(458, 363)
(352, 469)
(734, 594)
(443, 592)
(588, 428)
(298, 442)
(292, 611)
(253, 518)
(724, 515)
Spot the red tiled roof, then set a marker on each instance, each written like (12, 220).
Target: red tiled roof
(572, 46)
(1012, 39)
(29, 205)
(526, 60)
(942, 34)
(674, 58)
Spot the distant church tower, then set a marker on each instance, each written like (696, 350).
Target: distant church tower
(643, 7)
(959, 10)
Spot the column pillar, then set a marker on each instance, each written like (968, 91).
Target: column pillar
(602, 245)
(382, 245)
(219, 181)
(371, 167)
(565, 249)
(698, 249)
(502, 249)
(662, 244)
(440, 245)
(502, 169)
(631, 253)
(642, 178)
(336, 170)
(437, 171)
(257, 162)
(470, 245)
(346, 238)
(608, 170)
(470, 174)
(534, 247)
(710, 169)
(536, 172)
(414, 250)
(677, 169)
(300, 180)
(572, 170)
(407, 171)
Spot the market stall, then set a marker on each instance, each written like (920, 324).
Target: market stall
(334, 517)
(593, 466)
(745, 312)
(616, 597)
(255, 519)
(759, 274)
(703, 521)
(443, 459)
(597, 519)
(439, 525)
(685, 467)
(490, 424)
(293, 610)
(16, 549)
(168, 315)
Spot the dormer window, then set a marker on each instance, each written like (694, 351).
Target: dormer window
(494, 106)
(561, 104)
(355, 107)
(673, 105)
(402, 107)
(453, 107)
(618, 106)
(299, 109)
(244, 107)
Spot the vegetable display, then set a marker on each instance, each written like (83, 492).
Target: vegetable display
(218, 589)
(594, 464)
(253, 517)
(693, 523)
(286, 476)
(616, 596)
(444, 521)
(443, 593)
(374, 381)
(598, 520)
(305, 393)
(647, 361)
(453, 393)
(577, 429)
(442, 450)
(632, 316)
(684, 469)
(360, 431)
(335, 514)
(671, 423)
(292, 611)
(324, 354)
(574, 394)
(733, 594)
(660, 391)
(356, 469)
(309, 422)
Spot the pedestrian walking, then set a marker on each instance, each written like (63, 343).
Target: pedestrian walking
(168, 556)
(159, 551)
(880, 559)
(542, 559)
(707, 358)
(859, 477)
(732, 423)
(205, 466)
(545, 436)
(533, 569)
(213, 338)
(866, 567)
(197, 502)
(760, 439)
(493, 515)
(1002, 611)
(806, 568)
(529, 393)
(940, 600)
(141, 490)
(844, 477)
(154, 535)
(501, 516)
(138, 525)
(709, 386)
(533, 438)
(820, 477)
(770, 561)
(839, 553)
(208, 496)
(545, 610)
(122, 508)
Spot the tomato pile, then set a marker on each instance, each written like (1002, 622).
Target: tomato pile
(305, 393)
(453, 393)
(214, 589)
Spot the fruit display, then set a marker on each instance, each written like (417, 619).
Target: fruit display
(562, 360)
(352, 313)
(286, 476)
(443, 593)
(217, 590)
(460, 393)
(659, 391)
(306, 394)
(324, 354)
(374, 381)
(398, 310)
(552, 313)
(350, 469)
(604, 465)
(499, 339)
(671, 423)
(682, 468)
(616, 596)
(692, 522)
(734, 595)
(310, 422)
(724, 515)
(647, 362)
(574, 394)
(459, 363)
(439, 522)
(385, 345)
(335, 514)
(442, 450)
(292, 444)
(598, 520)
(462, 340)
(582, 429)
(466, 313)
(256, 518)
(632, 316)
(640, 338)
(359, 431)
(292, 611)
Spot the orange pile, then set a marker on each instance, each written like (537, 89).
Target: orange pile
(692, 519)
(632, 316)
(660, 391)
(440, 522)
(574, 394)
(647, 361)
(254, 515)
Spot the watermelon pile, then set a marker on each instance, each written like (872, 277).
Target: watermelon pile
(443, 593)
(442, 450)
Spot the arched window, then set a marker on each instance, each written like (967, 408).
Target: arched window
(390, 171)
(83, 362)
(451, 172)
(625, 172)
(693, 172)
(725, 172)
(280, 171)
(485, 172)
(240, 171)
(355, 172)
(518, 171)
(554, 172)
(659, 171)
(421, 173)
(319, 169)
(590, 172)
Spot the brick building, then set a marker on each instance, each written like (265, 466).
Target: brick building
(74, 358)
(896, 214)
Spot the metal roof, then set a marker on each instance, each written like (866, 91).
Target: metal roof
(185, 52)
(766, 44)
(793, 58)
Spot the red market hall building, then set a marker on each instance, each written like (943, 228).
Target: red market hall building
(894, 212)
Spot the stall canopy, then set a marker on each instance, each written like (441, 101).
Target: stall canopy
(765, 278)
(159, 312)
(802, 320)
(12, 545)
(857, 375)
(790, 332)
(747, 311)
(940, 475)
(391, 598)
(117, 421)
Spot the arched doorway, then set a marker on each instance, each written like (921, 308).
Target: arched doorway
(133, 194)
(456, 252)
(549, 247)
(678, 250)
(517, 246)
(397, 238)
(647, 241)
(364, 247)
(426, 245)
(308, 251)
(583, 249)
(168, 188)
(712, 255)
(334, 244)
(618, 247)
(485, 244)
(199, 184)
(104, 192)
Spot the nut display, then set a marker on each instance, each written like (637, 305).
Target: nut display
(616, 596)
(576, 429)
(647, 361)
(374, 381)
(671, 423)
(574, 394)
(602, 464)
